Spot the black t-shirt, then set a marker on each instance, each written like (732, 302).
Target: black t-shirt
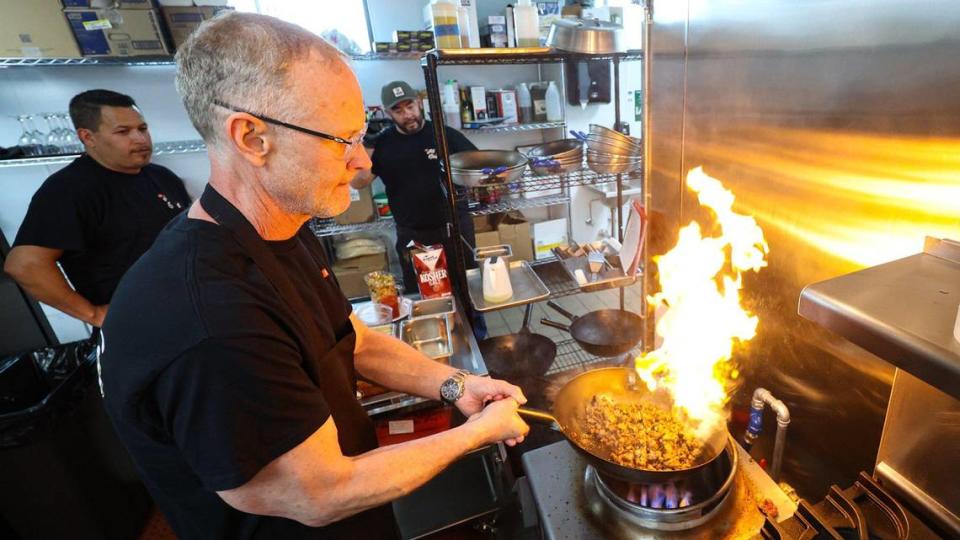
(103, 220)
(409, 168)
(208, 377)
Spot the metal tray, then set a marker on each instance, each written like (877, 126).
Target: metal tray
(434, 306)
(526, 284)
(607, 278)
(429, 335)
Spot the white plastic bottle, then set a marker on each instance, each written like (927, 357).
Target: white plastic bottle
(446, 30)
(451, 109)
(524, 103)
(554, 112)
(526, 19)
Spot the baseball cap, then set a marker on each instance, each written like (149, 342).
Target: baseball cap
(395, 92)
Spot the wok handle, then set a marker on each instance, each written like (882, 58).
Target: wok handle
(536, 415)
(525, 327)
(554, 324)
(561, 311)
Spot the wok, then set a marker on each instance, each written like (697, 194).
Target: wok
(569, 412)
(475, 168)
(605, 332)
(523, 353)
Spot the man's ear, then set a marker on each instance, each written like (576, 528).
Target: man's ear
(250, 137)
(86, 136)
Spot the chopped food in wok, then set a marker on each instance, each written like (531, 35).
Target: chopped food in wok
(637, 435)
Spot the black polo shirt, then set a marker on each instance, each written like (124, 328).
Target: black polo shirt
(103, 220)
(410, 171)
(208, 377)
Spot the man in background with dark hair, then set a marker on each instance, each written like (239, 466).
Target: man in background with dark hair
(97, 215)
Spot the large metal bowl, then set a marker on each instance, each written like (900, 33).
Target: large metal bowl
(559, 149)
(475, 168)
(612, 164)
(608, 146)
(587, 36)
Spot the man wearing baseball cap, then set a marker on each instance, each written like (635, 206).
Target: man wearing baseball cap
(404, 156)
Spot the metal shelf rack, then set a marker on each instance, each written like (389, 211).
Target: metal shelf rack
(520, 203)
(89, 61)
(571, 356)
(159, 149)
(514, 128)
(395, 55)
(430, 63)
(329, 227)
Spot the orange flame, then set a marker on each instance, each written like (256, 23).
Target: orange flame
(703, 320)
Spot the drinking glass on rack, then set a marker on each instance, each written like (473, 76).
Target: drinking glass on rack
(36, 136)
(71, 141)
(26, 140)
(54, 139)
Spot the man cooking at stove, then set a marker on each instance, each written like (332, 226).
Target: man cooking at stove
(235, 393)
(404, 156)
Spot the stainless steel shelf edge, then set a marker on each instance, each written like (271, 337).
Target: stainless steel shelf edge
(159, 149)
(902, 311)
(514, 128)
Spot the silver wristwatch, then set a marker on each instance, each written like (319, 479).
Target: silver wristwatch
(452, 389)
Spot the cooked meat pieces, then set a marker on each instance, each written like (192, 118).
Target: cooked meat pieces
(637, 435)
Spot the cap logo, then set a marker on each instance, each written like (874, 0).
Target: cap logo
(397, 91)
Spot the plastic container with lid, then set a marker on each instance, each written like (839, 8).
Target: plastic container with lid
(446, 26)
(526, 22)
(554, 109)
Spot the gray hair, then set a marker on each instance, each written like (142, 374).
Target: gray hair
(243, 59)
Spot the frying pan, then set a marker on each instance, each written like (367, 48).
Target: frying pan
(523, 353)
(605, 332)
(569, 412)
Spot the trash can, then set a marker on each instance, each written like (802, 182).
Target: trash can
(65, 473)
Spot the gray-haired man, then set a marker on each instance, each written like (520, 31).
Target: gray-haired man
(231, 354)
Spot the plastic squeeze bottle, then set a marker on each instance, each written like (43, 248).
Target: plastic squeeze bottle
(552, 97)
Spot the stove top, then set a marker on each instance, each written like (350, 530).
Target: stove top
(570, 506)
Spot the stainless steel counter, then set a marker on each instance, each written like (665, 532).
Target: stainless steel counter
(466, 355)
(902, 311)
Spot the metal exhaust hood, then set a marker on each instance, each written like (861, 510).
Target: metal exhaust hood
(903, 311)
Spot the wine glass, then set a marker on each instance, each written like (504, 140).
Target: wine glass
(36, 136)
(72, 141)
(54, 140)
(24, 140)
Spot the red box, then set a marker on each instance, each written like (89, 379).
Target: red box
(398, 429)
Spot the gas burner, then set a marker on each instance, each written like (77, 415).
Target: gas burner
(663, 507)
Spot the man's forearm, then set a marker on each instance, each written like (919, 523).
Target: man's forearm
(392, 363)
(50, 287)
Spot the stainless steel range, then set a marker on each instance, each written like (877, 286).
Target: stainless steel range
(575, 502)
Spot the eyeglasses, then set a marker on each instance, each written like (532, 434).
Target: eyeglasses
(351, 143)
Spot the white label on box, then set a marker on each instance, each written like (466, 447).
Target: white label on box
(399, 427)
(31, 52)
(99, 24)
(354, 195)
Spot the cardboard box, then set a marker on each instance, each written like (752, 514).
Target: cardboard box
(548, 235)
(138, 34)
(489, 238)
(350, 273)
(97, 4)
(182, 21)
(507, 106)
(478, 97)
(360, 209)
(515, 230)
(384, 46)
(403, 47)
(35, 29)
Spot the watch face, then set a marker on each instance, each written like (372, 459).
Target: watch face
(450, 390)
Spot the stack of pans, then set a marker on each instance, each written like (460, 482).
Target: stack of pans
(612, 152)
(475, 168)
(555, 157)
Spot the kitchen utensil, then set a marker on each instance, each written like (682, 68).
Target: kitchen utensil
(523, 354)
(569, 408)
(475, 168)
(604, 332)
(587, 36)
(429, 335)
(496, 280)
(433, 306)
(373, 314)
